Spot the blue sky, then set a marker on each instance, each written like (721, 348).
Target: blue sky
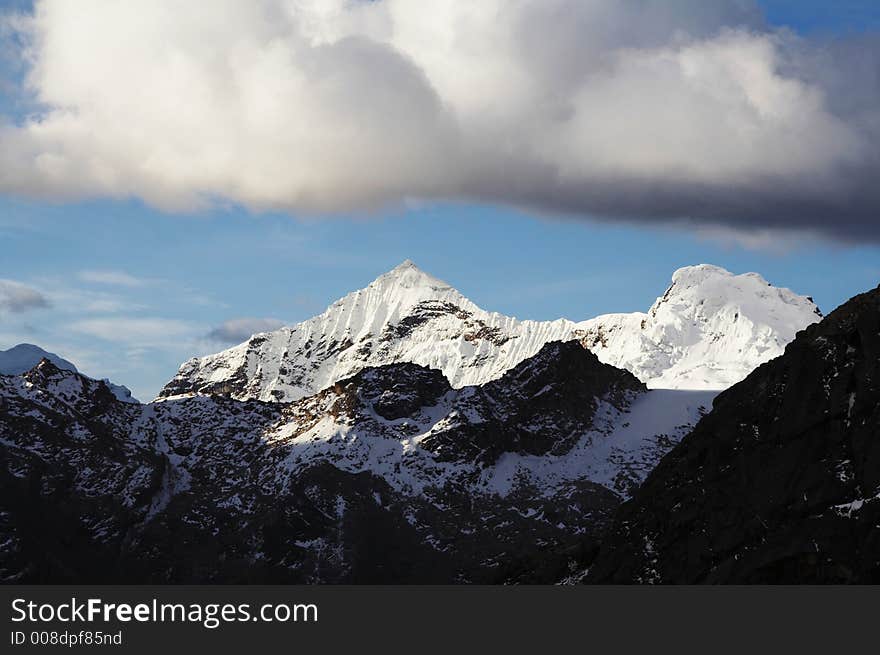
(132, 291)
(810, 16)
(188, 274)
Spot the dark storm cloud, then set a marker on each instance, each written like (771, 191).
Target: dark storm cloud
(679, 112)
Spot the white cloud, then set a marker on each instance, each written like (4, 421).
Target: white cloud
(141, 332)
(237, 330)
(115, 278)
(77, 301)
(18, 298)
(653, 109)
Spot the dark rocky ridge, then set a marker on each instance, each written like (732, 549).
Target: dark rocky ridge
(211, 489)
(539, 407)
(780, 483)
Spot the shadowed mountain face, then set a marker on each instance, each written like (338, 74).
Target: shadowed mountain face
(780, 483)
(388, 476)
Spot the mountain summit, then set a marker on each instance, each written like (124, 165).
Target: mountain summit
(708, 331)
(404, 315)
(407, 275)
(25, 356)
(780, 483)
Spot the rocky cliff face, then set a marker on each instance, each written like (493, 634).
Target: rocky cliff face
(391, 475)
(780, 483)
(72, 477)
(709, 330)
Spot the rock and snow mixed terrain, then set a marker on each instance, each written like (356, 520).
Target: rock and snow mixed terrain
(25, 356)
(403, 435)
(708, 331)
(326, 488)
(780, 483)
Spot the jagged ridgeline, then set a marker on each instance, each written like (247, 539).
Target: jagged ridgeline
(709, 330)
(405, 435)
(388, 476)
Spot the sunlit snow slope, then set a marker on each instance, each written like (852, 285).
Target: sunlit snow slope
(708, 331)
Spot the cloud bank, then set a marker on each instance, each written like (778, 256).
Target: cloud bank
(237, 330)
(139, 331)
(18, 298)
(691, 112)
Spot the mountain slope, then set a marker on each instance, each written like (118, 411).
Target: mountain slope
(780, 483)
(405, 423)
(390, 475)
(404, 315)
(709, 330)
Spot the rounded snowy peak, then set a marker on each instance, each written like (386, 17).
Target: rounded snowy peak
(691, 276)
(25, 356)
(712, 284)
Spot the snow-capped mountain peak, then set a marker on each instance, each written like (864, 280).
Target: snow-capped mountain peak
(707, 284)
(407, 275)
(25, 356)
(708, 331)
(391, 295)
(405, 315)
(695, 275)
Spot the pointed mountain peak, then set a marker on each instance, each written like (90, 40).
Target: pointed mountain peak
(30, 360)
(46, 370)
(47, 366)
(404, 265)
(407, 275)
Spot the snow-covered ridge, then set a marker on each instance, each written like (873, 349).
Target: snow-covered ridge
(25, 356)
(404, 315)
(467, 471)
(708, 331)
(557, 419)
